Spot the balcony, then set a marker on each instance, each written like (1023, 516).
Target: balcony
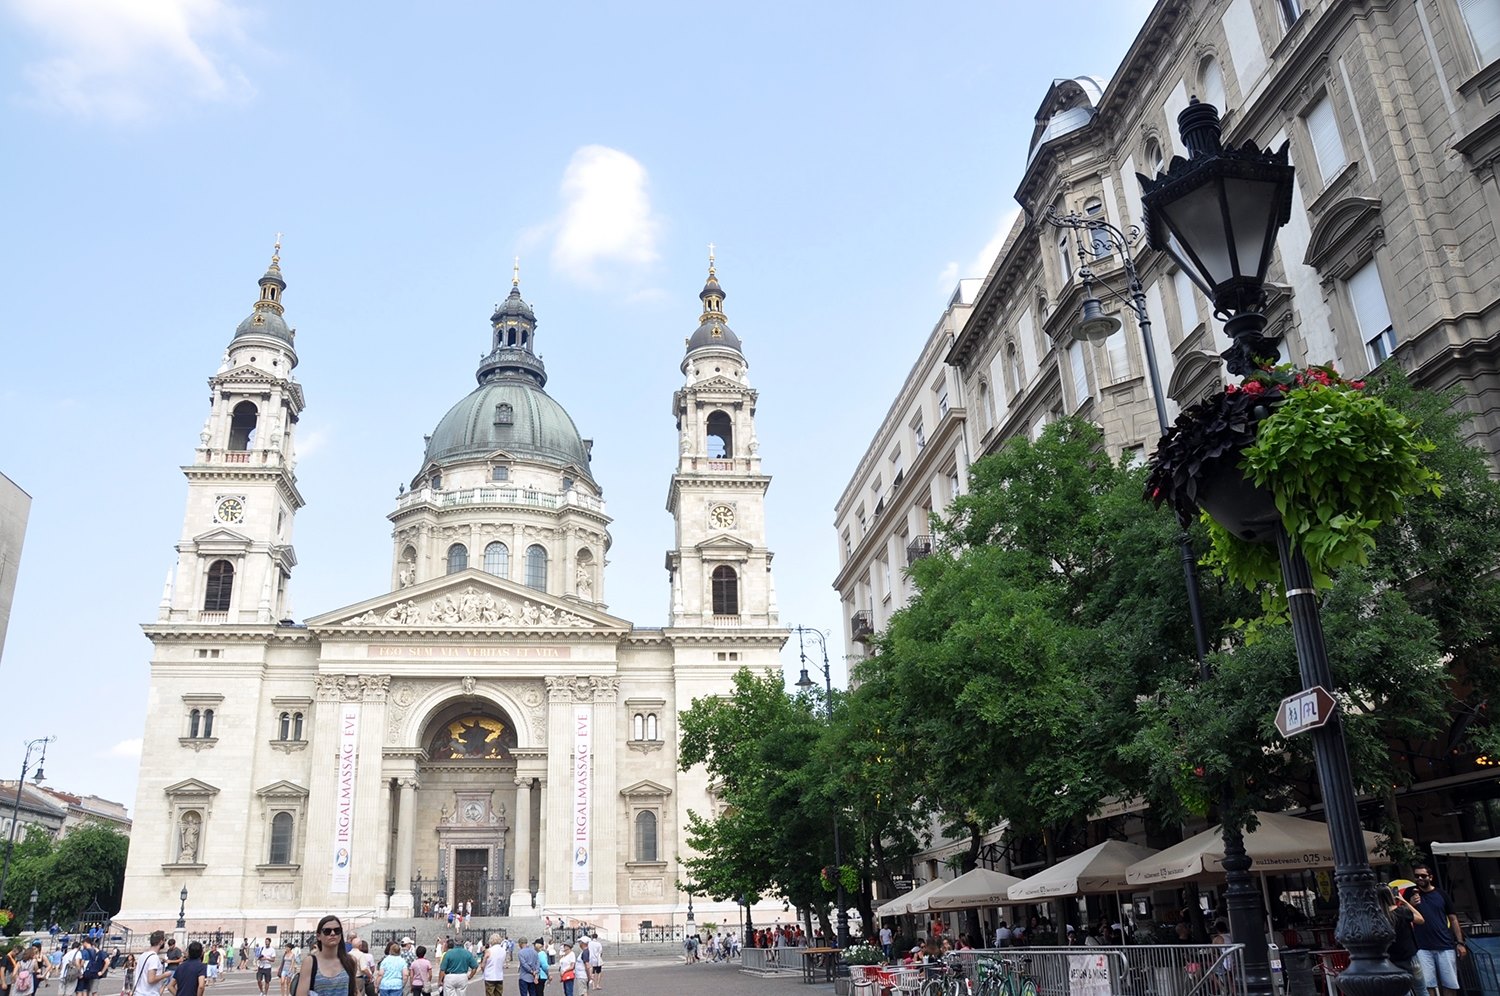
(524, 497)
(919, 548)
(861, 626)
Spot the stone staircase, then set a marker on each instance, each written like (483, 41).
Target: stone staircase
(426, 930)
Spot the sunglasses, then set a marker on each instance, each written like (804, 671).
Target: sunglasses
(331, 931)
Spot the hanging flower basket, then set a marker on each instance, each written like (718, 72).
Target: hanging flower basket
(1304, 449)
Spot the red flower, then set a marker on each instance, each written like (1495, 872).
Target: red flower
(1232, 389)
(1358, 385)
(1255, 387)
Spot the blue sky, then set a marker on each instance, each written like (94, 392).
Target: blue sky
(850, 161)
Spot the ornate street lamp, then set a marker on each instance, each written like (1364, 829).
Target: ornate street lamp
(182, 910)
(841, 917)
(15, 809)
(31, 913)
(1217, 214)
(1100, 238)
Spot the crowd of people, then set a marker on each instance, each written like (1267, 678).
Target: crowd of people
(717, 947)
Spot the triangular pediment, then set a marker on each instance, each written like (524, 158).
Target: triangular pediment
(645, 787)
(724, 546)
(221, 536)
(190, 786)
(720, 383)
(245, 372)
(470, 599)
(282, 789)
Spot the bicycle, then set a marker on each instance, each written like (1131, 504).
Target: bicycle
(1011, 977)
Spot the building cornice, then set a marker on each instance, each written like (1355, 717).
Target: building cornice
(281, 476)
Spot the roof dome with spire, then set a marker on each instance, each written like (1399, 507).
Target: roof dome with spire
(713, 327)
(509, 410)
(266, 318)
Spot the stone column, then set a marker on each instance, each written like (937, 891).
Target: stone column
(520, 896)
(543, 851)
(402, 901)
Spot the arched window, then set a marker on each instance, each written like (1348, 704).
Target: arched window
(986, 406)
(1211, 83)
(195, 723)
(536, 567)
(1093, 207)
(281, 840)
(1154, 161)
(652, 733)
(1013, 371)
(220, 586)
(458, 558)
(208, 723)
(726, 591)
(242, 425)
(497, 560)
(638, 731)
(645, 835)
(284, 727)
(296, 726)
(720, 436)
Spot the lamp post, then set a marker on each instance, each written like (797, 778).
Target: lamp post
(841, 916)
(182, 909)
(1217, 213)
(31, 913)
(1100, 238)
(39, 744)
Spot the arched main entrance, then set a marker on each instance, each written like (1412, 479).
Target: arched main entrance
(467, 805)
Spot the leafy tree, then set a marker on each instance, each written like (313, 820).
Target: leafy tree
(86, 865)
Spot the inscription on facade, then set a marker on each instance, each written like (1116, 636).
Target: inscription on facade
(462, 652)
(645, 888)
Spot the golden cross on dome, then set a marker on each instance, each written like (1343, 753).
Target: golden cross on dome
(710, 257)
(276, 252)
(515, 273)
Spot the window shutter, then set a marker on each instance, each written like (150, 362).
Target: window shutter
(1119, 356)
(1187, 302)
(1080, 374)
(1483, 19)
(1328, 147)
(1371, 312)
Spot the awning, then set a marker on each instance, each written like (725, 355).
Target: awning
(1279, 842)
(1471, 848)
(974, 889)
(1099, 869)
(900, 904)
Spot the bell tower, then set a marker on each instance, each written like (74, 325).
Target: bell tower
(720, 569)
(235, 557)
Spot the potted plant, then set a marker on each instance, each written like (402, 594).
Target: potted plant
(863, 954)
(1302, 449)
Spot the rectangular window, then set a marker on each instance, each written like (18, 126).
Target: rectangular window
(1080, 374)
(943, 402)
(952, 484)
(1119, 356)
(920, 434)
(1290, 11)
(1187, 301)
(1323, 129)
(1483, 19)
(1371, 313)
(1065, 256)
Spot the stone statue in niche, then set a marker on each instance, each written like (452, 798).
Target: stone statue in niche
(189, 831)
(583, 583)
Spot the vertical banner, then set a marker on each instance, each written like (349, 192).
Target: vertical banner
(343, 809)
(583, 751)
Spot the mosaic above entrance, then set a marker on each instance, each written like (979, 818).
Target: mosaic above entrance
(471, 607)
(470, 738)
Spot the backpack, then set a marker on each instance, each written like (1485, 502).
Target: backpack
(24, 982)
(70, 968)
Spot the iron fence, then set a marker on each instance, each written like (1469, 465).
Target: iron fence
(772, 960)
(1135, 970)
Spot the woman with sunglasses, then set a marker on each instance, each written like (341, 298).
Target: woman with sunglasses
(327, 970)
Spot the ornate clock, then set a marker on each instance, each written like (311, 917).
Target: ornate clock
(230, 508)
(721, 516)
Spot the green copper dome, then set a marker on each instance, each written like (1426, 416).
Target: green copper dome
(510, 410)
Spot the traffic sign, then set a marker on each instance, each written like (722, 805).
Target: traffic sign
(1305, 710)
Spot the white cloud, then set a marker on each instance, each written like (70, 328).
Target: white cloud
(980, 265)
(606, 216)
(122, 59)
(126, 748)
(310, 442)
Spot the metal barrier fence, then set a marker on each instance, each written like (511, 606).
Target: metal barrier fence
(1136, 970)
(772, 960)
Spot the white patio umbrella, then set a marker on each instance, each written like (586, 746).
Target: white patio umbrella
(1279, 841)
(1099, 869)
(1471, 848)
(974, 889)
(901, 903)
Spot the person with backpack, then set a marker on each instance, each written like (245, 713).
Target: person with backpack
(23, 972)
(94, 966)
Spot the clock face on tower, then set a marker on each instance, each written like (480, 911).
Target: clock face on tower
(230, 509)
(721, 516)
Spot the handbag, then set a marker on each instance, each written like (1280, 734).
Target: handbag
(567, 976)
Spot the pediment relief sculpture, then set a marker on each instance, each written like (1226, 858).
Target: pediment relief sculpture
(471, 607)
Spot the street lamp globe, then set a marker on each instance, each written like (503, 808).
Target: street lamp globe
(804, 682)
(1095, 325)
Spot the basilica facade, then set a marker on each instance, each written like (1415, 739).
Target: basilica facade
(478, 730)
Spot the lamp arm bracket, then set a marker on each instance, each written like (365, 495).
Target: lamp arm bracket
(1104, 237)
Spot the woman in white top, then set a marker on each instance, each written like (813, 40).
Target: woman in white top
(566, 966)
